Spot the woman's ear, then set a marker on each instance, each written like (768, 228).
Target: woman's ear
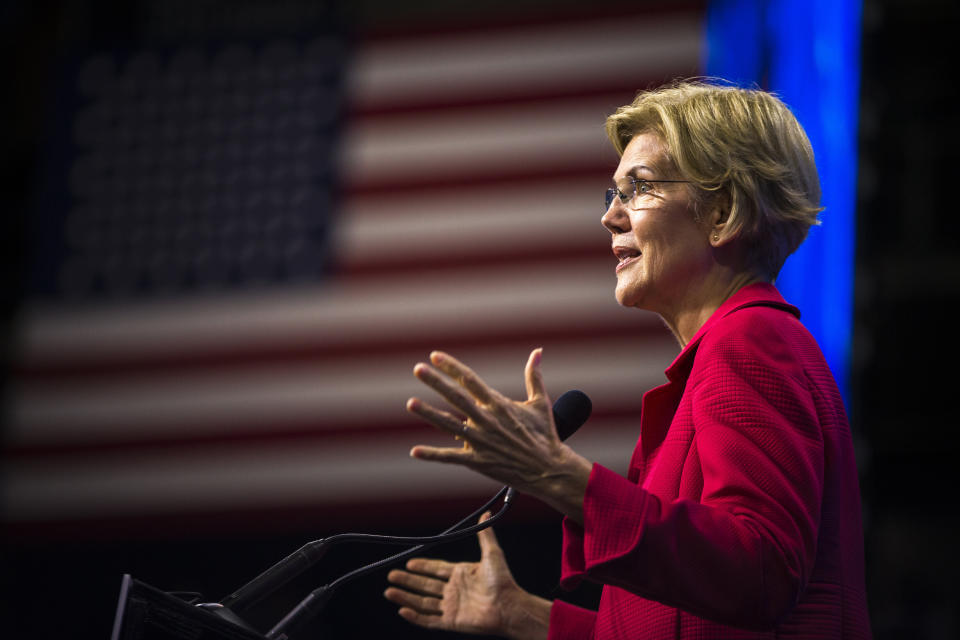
(718, 217)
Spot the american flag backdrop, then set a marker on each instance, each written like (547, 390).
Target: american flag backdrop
(256, 241)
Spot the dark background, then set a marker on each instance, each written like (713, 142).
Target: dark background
(907, 290)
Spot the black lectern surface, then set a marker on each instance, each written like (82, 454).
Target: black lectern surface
(147, 613)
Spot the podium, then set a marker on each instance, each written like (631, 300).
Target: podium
(147, 613)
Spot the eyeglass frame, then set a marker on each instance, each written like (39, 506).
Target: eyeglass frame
(615, 192)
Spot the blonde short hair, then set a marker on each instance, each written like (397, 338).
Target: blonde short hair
(741, 146)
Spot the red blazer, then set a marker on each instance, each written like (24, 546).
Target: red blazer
(740, 514)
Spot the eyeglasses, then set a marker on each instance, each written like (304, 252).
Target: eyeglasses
(629, 188)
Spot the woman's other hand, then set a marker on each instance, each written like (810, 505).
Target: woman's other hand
(468, 597)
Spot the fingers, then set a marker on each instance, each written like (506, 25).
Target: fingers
(452, 392)
(465, 376)
(487, 538)
(420, 590)
(429, 621)
(533, 376)
(442, 454)
(440, 419)
(464, 389)
(414, 582)
(418, 603)
(440, 569)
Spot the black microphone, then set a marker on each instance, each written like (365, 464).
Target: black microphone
(570, 412)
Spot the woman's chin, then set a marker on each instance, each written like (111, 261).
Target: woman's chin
(627, 296)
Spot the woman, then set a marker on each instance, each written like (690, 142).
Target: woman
(740, 514)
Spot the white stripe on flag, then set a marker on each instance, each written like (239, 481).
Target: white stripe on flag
(479, 141)
(474, 222)
(502, 61)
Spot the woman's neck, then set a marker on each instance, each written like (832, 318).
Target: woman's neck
(695, 310)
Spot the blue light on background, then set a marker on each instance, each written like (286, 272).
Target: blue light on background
(808, 52)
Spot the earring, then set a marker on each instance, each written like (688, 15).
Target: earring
(716, 237)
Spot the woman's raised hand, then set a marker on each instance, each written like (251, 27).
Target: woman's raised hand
(514, 442)
(469, 597)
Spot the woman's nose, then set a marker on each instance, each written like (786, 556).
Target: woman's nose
(615, 219)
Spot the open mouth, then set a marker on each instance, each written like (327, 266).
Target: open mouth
(625, 256)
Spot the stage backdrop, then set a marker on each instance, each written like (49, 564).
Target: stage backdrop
(244, 244)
